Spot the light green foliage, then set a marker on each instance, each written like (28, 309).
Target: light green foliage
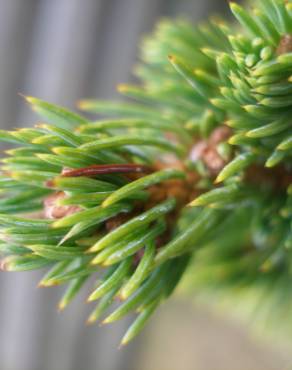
(236, 231)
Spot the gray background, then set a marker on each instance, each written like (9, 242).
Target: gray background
(63, 50)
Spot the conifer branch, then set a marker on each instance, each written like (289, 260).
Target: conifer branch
(196, 173)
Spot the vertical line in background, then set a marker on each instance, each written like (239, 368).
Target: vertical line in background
(62, 43)
(195, 10)
(121, 28)
(16, 23)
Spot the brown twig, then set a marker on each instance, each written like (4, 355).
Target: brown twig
(102, 169)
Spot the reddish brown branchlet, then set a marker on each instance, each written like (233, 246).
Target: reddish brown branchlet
(103, 169)
(206, 150)
(53, 211)
(285, 45)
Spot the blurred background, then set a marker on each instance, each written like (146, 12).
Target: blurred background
(61, 51)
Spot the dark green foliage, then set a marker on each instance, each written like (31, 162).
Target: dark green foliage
(224, 88)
